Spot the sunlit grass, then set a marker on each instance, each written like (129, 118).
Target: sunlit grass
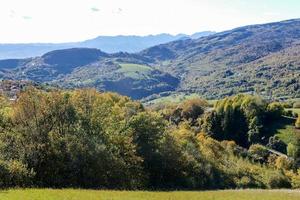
(175, 98)
(135, 71)
(73, 194)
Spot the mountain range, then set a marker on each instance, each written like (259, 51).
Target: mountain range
(109, 44)
(263, 59)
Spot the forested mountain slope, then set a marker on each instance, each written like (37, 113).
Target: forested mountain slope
(260, 59)
(127, 74)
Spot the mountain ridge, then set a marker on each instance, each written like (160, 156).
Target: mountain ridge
(261, 59)
(109, 44)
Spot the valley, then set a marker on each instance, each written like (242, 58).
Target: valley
(259, 59)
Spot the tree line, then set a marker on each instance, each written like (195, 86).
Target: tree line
(87, 139)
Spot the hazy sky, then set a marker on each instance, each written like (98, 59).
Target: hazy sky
(74, 20)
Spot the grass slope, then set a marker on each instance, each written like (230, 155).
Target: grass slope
(71, 194)
(134, 71)
(174, 98)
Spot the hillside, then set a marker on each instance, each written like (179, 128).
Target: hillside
(127, 74)
(95, 140)
(260, 59)
(110, 44)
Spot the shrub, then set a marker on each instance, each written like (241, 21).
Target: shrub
(275, 110)
(258, 153)
(282, 162)
(278, 180)
(296, 180)
(13, 173)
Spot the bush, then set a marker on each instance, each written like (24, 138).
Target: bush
(293, 150)
(275, 110)
(258, 152)
(189, 110)
(282, 162)
(296, 180)
(247, 182)
(278, 180)
(14, 173)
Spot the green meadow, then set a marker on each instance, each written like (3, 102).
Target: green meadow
(135, 71)
(73, 194)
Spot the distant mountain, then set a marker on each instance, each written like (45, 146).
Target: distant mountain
(109, 44)
(262, 59)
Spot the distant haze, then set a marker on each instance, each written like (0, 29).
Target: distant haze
(109, 44)
(32, 21)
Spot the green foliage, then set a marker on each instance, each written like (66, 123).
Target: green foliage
(243, 118)
(13, 173)
(240, 118)
(293, 150)
(74, 139)
(295, 179)
(282, 162)
(275, 110)
(87, 139)
(241, 172)
(258, 152)
(189, 110)
(278, 180)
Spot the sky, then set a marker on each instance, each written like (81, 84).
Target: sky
(27, 21)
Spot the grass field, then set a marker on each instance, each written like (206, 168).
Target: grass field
(135, 71)
(177, 98)
(287, 134)
(70, 194)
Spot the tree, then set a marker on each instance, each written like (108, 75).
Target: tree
(189, 110)
(148, 132)
(238, 118)
(276, 110)
(293, 150)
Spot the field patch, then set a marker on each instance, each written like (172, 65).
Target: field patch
(135, 71)
(174, 98)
